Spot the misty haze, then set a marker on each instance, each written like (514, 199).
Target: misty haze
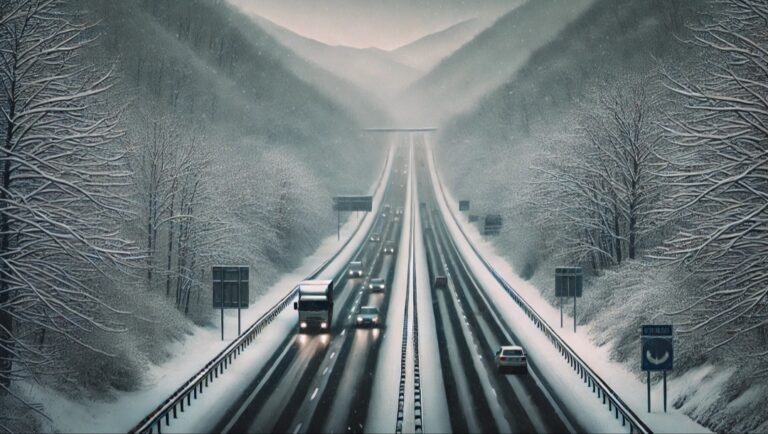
(411, 216)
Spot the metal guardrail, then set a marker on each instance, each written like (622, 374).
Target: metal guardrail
(411, 288)
(610, 398)
(188, 391)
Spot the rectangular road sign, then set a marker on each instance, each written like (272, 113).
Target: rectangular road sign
(656, 330)
(353, 203)
(474, 218)
(463, 205)
(569, 281)
(492, 224)
(230, 287)
(657, 352)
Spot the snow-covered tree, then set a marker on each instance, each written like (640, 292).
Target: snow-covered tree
(718, 168)
(61, 183)
(599, 185)
(154, 152)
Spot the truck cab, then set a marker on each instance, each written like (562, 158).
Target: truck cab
(315, 306)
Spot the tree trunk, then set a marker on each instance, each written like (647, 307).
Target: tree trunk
(617, 235)
(170, 249)
(6, 319)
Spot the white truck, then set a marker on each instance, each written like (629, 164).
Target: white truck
(315, 305)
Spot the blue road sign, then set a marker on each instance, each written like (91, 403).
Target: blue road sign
(657, 349)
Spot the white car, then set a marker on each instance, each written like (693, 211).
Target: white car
(377, 284)
(368, 316)
(511, 358)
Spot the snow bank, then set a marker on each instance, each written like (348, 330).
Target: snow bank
(434, 405)
(589, 412)
(382, 410)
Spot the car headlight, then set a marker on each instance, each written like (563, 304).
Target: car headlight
(370, 286)
(375, 320)
(323, 325)
(303, 325)
(359, 319)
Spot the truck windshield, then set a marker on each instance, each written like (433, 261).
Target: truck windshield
(313, 305)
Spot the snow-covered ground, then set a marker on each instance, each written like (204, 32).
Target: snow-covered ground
(581, 402)
(434, 405)
(382, 410)
(191, 354)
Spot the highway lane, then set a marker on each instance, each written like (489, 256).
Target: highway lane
(324, 383)
(296, 392)
(481, 399)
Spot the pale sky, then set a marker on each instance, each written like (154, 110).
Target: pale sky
(385, 24)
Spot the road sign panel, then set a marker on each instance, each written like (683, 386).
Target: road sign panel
(463, 205)
(492, 224)
(474, 218)
(657, 348)
(230, 287)
(569, 281)
(353, 203)
(656, 330)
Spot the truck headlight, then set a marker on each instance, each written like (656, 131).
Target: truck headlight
(303, 325)
(323, 325)
(359, 319)
(370, 286)
(376, 320)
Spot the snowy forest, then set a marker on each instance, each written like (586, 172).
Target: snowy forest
(646, 166)
(144, 141)
(135, 156)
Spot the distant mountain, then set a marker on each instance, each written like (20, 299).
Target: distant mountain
(208, 66)
(424, 53)
(504, 131)
(490, 59)
(371, 69)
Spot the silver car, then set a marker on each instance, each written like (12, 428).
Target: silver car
(368, 316)
(377, 284)
(511, 358)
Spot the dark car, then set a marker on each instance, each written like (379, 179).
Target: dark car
(441, 282)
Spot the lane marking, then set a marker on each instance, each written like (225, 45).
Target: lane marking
(325, 371)
(343, 331)
(333, 354)
(297, 429)
(314, 394)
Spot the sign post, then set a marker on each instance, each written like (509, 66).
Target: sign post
(230, 291)
(657, 354)
(350, 203)
(569, 282)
